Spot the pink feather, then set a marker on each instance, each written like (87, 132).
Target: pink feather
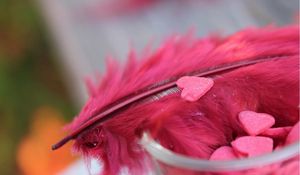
(197, 128)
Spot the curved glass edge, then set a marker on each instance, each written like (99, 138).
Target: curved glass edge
(177, 160)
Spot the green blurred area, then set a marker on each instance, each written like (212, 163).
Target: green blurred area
(29, 77)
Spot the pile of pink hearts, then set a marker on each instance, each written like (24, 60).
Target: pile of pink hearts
(260, 137)
(258, 126)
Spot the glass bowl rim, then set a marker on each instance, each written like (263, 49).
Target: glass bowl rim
(160, 153)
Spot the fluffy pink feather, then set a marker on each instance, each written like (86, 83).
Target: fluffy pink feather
(192, 128)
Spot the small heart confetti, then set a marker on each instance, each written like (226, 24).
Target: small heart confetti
(255, 123)
(291, 168)
(193, 88)
(280, 132)
(293, 136)
(251, 146)
(223, 153)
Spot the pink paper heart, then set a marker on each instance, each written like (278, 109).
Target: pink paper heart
(223, 153)
(290, 168)
(193, 88)
(250, 146)
(280, 132)
(255, 123)
(293, 136)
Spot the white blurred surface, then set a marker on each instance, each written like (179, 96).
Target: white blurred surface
(81, 168)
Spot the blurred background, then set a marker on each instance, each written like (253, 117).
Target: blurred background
(48, 47)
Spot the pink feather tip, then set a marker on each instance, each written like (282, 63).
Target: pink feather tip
(254, 70)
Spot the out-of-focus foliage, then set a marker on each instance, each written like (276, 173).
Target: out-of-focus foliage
(29, 77)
